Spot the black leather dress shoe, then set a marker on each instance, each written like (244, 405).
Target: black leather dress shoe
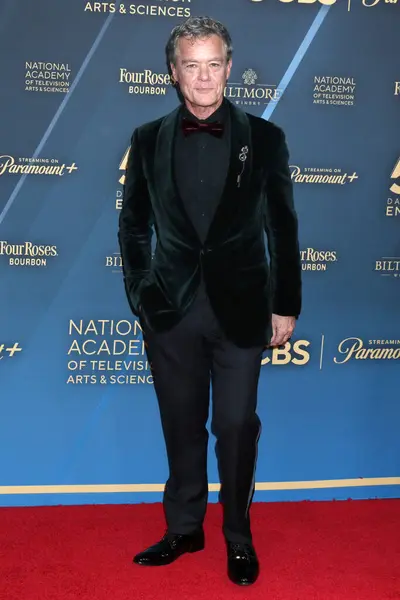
(171, 547)
(243, 565)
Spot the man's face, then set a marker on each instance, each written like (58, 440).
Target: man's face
(201, 70)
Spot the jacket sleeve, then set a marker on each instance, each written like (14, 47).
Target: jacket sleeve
(281, 227)
(135, 225)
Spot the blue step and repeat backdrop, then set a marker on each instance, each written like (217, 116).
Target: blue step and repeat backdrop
(78, 415)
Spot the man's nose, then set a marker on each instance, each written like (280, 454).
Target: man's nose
(204, 73)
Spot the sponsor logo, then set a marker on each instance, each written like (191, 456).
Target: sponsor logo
(114, 262)
(145, 82)
(321, 175)
(372, 3)
(393, 202)
(157, 8)
(353, 348)
(47, 77)
(334, 91)
(34, 166)
(317, 260)
(106, 352)
(295, 353)
(250, 92)
(27, 254)
(9, 350)
(388, 266)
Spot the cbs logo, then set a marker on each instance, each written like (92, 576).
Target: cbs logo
(296, 354)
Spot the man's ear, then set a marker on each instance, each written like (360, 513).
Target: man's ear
(228, 68)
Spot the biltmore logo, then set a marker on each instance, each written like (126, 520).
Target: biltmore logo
(393, 202)
(27, 254)
(353, 348)
(317, 260)
(250, 92)
(388, 266)
(114, 262)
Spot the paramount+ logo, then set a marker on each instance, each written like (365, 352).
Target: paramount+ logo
(354, 348)
(296, 353)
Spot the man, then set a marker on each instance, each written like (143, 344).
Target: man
(211, 179)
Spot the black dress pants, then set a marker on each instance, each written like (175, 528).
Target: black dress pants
(185, 361)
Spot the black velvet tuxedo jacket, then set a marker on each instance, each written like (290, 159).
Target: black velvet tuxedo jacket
(243, 287)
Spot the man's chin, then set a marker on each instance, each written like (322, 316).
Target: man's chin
(205, 100)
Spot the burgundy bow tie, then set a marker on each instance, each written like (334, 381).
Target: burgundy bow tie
(190, 126)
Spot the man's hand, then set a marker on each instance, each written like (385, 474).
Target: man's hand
(282, 329)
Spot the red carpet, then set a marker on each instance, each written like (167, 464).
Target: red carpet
(308, 551)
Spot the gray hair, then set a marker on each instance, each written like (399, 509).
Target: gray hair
(196, 28)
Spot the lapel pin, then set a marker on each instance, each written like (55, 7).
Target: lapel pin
(242, 157)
